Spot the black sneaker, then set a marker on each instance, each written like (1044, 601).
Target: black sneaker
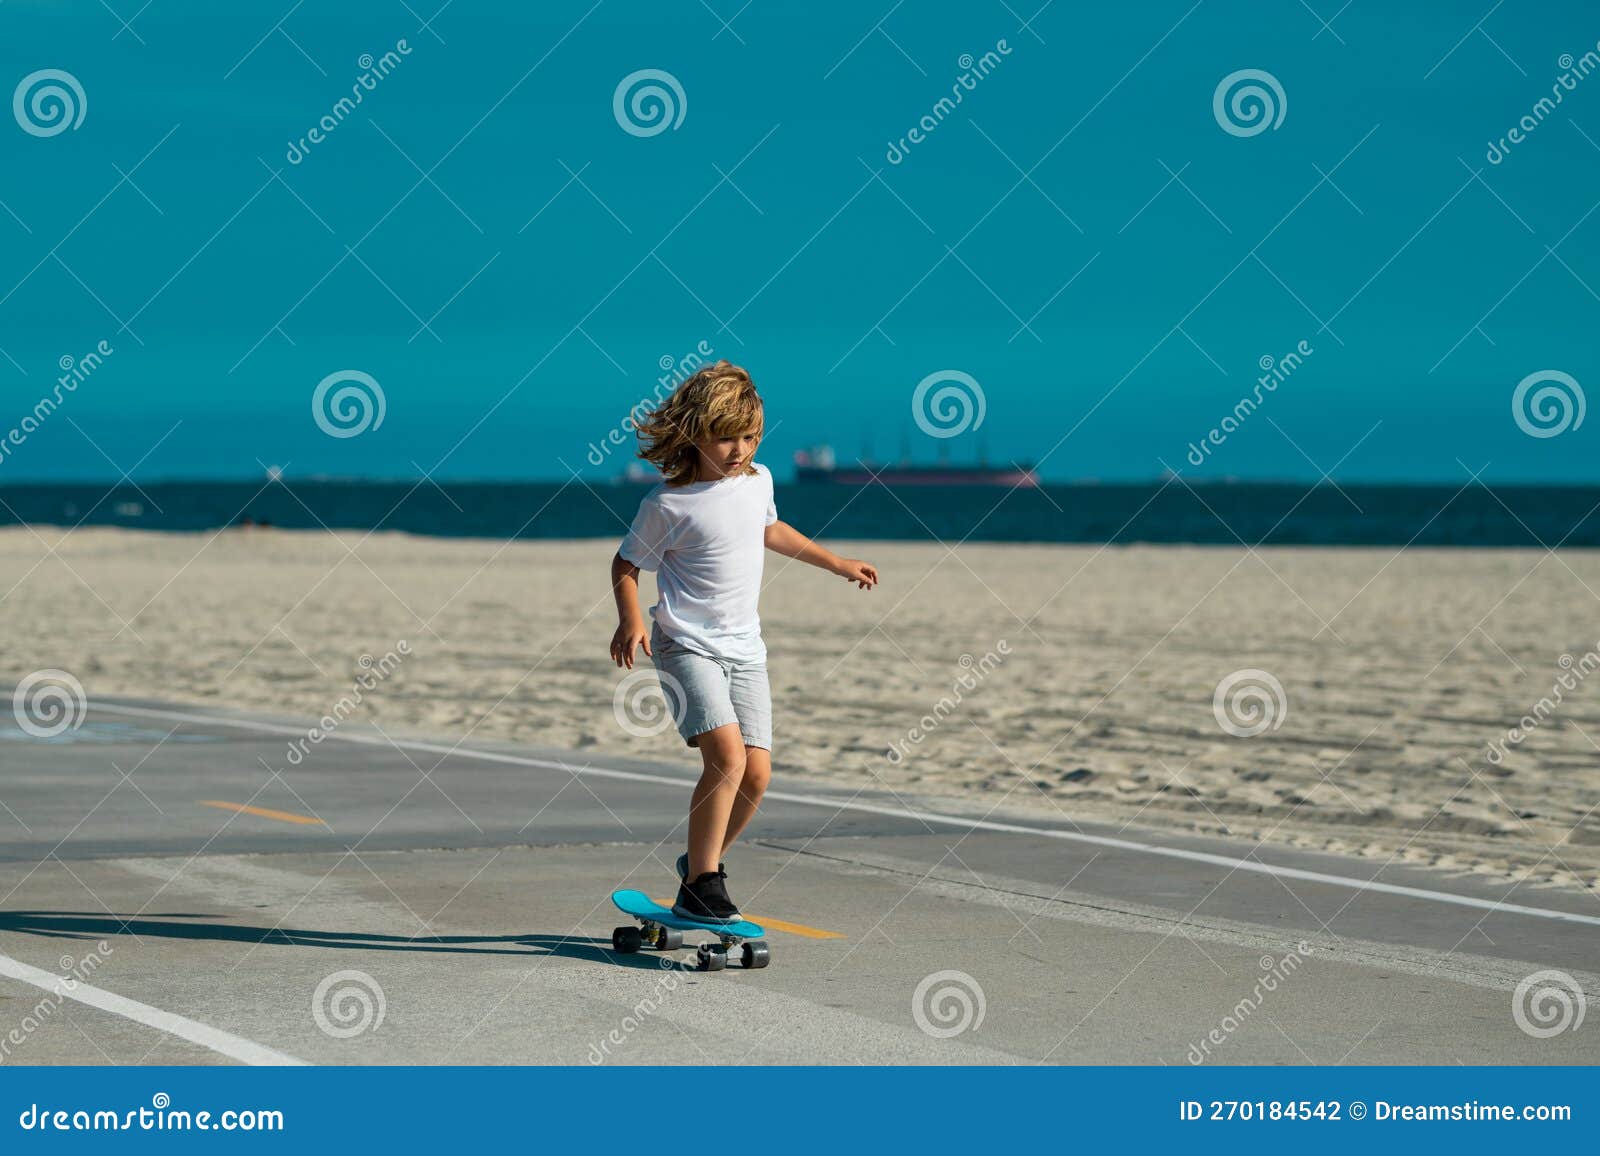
(706, 900)
(683, 867)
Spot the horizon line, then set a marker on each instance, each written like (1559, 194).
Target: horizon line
(619, 480)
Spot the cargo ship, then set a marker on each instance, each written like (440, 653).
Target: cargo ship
(818, 465)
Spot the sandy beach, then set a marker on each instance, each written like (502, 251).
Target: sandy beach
(1071, 681)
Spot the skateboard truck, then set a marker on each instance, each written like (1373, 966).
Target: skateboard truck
(752, 953)
(660, 929)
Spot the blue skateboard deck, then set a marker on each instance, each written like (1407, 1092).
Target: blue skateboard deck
(641, 906)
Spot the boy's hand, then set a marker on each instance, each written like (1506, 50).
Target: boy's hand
(863, 574)
(626, 642)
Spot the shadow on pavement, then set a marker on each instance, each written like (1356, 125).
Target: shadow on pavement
(90, 925)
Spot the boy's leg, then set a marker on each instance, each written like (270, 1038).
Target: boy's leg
(723, 752)
(757, 774)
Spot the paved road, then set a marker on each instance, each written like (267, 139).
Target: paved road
(449, 904)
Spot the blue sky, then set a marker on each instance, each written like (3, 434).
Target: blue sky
(1084, 186)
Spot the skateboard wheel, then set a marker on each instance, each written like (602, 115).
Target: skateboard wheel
(755, 953)
(627, 939)
(667, 939)
(711, 958)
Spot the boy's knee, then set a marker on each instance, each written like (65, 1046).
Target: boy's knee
(724, 754)
(756, 777)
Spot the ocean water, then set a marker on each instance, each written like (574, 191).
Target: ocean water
(1173, 512)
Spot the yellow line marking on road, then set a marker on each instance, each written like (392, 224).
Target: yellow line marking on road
(796, 928)
(780, 925)
(263, 812)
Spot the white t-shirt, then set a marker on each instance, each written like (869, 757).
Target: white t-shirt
(706, 543)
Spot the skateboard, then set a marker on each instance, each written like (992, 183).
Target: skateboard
(662, 930)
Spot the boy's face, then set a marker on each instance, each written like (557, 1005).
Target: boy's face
(724, 457)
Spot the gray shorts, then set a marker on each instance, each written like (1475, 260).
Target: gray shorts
(705, 693)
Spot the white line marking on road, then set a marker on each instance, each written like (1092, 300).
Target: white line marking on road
(896, 812)
(217, 1040)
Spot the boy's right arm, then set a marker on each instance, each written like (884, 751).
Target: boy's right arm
(631, 633)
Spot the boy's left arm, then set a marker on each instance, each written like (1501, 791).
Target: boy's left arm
(782, 538)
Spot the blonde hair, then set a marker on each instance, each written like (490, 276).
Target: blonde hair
(719, 401)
